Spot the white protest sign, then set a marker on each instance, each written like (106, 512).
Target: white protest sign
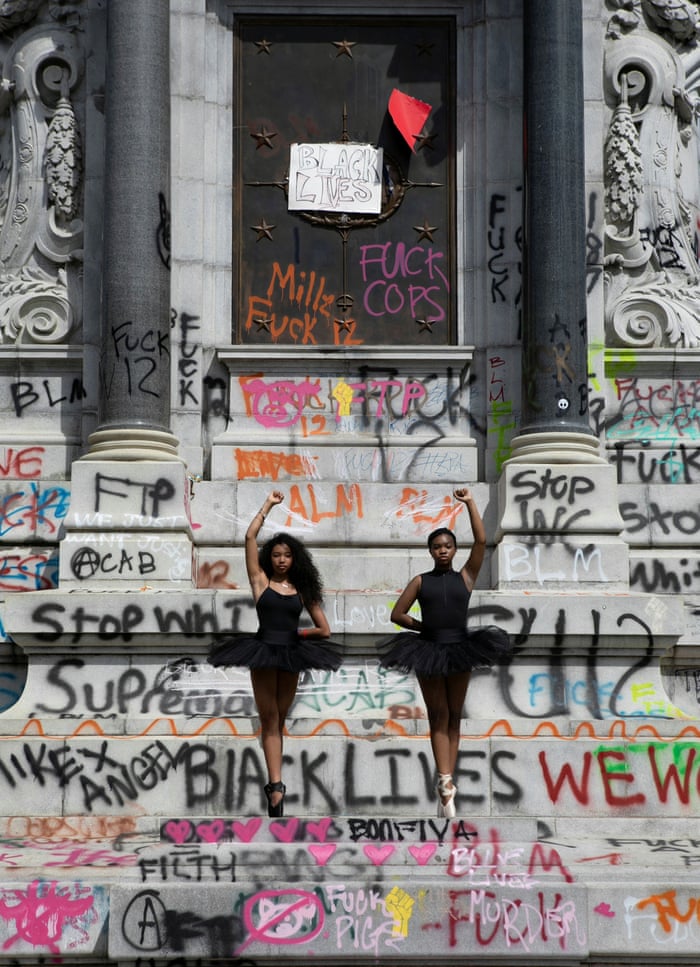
(335, 177)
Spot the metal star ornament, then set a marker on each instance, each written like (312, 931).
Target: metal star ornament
(425, 231)
(262, 323)
(344, 47)
(264, 230)
(425, 141)
(263, 137)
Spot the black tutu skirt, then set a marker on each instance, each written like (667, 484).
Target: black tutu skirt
(276, 649)
(445, 652)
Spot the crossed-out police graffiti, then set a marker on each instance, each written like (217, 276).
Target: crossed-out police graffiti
(347, 887)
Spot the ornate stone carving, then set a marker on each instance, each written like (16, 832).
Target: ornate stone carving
(34, 308)
(64, 161)
(41, 188)
(677, 20)
(623, 168)
(626, 17)
(656, 315)
(652, 198)
(14, 13)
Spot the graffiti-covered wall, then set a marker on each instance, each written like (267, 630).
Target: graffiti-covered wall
(248, 248)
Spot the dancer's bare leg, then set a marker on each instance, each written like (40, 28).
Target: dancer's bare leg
(274, 691)
(444, 700)
(457, 686)
(434, 689)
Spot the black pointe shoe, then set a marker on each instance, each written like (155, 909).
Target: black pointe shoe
(278, 808)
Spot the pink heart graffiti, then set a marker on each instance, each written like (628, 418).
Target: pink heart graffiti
(211, 832)
(246, 831)
(319, 830)
(178, 831)
(422, 853)
(378, 854)
(285, 832)
(322, 852)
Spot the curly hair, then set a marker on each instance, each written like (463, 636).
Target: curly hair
(303, 573)
(438, 533)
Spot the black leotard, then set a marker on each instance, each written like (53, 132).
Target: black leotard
(444, 646)
(443, 600)
(278, 612)
(276, 643)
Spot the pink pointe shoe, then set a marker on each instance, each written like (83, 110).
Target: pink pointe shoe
(446, 793)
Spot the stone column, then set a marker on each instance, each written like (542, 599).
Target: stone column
(134, 412)
(128, 526)
(560, 523)
(554, 403)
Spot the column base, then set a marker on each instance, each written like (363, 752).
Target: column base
(128, 527)
(560, 528)
(130, 443)
(565, 563)
(555, 446)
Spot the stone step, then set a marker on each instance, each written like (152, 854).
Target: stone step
(199, 767)
(575, 842)
(473, 850)
(556, 890)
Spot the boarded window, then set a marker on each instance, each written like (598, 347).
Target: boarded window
(335, 274)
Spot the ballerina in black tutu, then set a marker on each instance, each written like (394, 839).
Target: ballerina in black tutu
(284, 580)
(443, 652)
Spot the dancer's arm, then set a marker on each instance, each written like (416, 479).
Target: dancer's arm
(407, 598)
(321, 628)
(257, 577)
(472, 565)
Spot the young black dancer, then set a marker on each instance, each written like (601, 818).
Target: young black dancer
(439, 648)
(284, 580)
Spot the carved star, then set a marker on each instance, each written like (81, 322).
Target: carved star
(425, 48)
(264, 137)
(345, 325)
(424, 141)
(263, 323)
(425, 231)
(424, 324)
(263, 229)
(263, 46)
(344, 47)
